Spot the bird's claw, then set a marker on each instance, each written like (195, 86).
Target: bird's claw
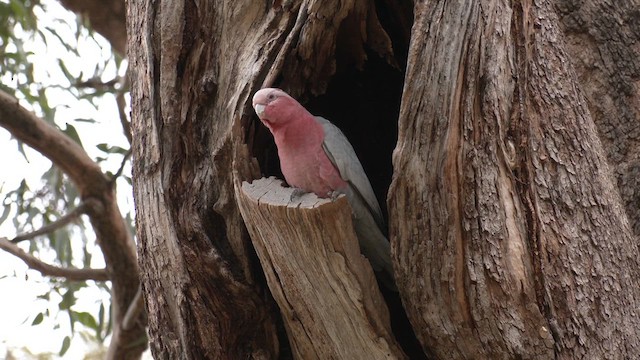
(296, 193)
(334, 195)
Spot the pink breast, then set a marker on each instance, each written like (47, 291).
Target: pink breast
(311, 172)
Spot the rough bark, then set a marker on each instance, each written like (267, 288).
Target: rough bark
(603, 39)
(196, 261)
(324, 287)
(194, 66)
(503, 250)
(508, 233)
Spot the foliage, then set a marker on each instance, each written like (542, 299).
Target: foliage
(59, 68)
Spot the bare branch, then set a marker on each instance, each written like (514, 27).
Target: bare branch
(120, 101)
(54, 144)
(127, 155)
(134, 310)
(51, 270)
(98, 84)
(112, 234)
(62, 221)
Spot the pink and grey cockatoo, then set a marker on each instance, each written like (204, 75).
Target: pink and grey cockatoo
(315, 156)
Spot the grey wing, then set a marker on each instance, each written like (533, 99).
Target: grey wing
(342, 155)
(366, 210)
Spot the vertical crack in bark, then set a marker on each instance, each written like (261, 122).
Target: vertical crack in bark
(457, 143)
(456, 146)
(521, 129)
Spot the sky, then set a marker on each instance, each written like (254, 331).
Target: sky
(19, 286)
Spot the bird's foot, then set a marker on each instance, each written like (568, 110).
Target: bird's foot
(297, 192)
(334, 194)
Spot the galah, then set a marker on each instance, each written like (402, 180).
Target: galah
(315, 156)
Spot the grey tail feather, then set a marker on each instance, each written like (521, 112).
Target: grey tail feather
(375, 246)
(385, 273)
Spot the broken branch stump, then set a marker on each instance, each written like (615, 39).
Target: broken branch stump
(326, 290)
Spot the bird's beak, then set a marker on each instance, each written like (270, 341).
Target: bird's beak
(259, 109)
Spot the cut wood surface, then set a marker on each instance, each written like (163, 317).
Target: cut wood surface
(324, 287)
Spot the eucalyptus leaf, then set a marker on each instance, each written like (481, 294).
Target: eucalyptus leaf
(38, 319)
(40, 201)
(100, 322)
(86, 319)
(66, 342)
(5, 213)
(90, 121)
(71, 131)
(66, 71)
(111, 149)
(68, 300)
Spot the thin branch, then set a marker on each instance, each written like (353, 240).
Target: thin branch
(96, 83)
(112, 234)
(62, 221)
(120, 101)
(53, 144)
(51, 270)
(135, 308)
(127, 155)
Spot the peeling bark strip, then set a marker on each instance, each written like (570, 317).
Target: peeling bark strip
(325, 288)
(524, 250)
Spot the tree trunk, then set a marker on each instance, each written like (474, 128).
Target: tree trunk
(602, 39)
(204, 297)
(525, 250)
(508, 235)
(191, 85)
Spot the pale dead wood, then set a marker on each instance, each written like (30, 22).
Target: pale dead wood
(324, 287)
(45, 269)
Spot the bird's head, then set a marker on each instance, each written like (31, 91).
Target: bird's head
(275, 107)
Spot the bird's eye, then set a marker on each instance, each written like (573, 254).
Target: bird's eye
(271, 96)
